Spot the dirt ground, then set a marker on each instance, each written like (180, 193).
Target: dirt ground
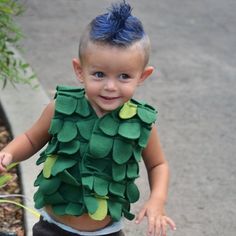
(193, 87)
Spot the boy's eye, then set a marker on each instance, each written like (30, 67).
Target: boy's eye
(99, 74)
(124, 76)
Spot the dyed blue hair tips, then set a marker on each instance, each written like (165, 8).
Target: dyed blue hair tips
(117, 26)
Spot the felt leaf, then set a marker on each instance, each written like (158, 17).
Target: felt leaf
(100, 145)
(130, 130)
(66, 104)
(101, 211)
(85, 128)
(147, 115)
(70, 147)
(83, 108)
(59, 209)
(143, 139)
(66, 177)
(62, 164)
(118, 171)
(132, 192)
(52, 146)
(128, 110)
(75, 209)
(71, 193)
(49, 186)
(115, 209)
(122, 151)
(100, 186)
(128, 215)
(55, 126)
(68, 132)
(133, 170)
(117, 189)
(55, 198)
(39, 200)
(38, 179)
(88, 181)
(94, 164)
(137, 153)
(48, 164)
(108, 125)
(91, 204)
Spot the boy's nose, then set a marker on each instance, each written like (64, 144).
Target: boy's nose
(110, 84)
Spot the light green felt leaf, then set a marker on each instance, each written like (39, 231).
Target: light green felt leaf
(49, 186)
(91, 204)
(66, 104)
(100, 186)
(132, 192)
(100, 146)
(61, 164)
(130, 130)
(68, 132)
(108, 125)
(128, 110)
(118, 171)
(117, 189)
(115, 209)
(48, 164)
(122, 151)
(101, 211)
(70, 147)
(75, 209)
(146, 115)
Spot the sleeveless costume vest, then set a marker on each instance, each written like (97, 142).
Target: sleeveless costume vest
(91, 163)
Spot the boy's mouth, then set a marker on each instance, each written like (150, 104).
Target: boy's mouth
(109, 98)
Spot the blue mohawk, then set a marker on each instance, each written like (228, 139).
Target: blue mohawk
(117, 27)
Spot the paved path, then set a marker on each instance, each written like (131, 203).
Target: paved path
(194, 51)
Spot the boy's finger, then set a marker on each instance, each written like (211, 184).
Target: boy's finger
(140, 216)
(171, 223)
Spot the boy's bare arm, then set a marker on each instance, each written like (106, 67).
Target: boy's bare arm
(28, 143)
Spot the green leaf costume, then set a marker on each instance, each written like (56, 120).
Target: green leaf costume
(91, 163)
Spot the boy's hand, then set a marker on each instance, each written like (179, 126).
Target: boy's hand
(157, 221)
(5, 160)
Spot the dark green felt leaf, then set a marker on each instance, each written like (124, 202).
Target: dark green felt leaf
(66, 177)
(68, 132)
(55, 198)
(146, 115)
(39, 199)
(137, 153)
(91, 204)
(100, 186)
(66, 104)
(122, 151)
(70, 147)
(115, 209)
(130, 130)
(132, 192)
(85, 128)
(133, 170)
(74, 209)
(88, 181)
(71, 193)
(38, 179)
(61, 164)
(100, 146)
(55, 126)
(52, 146)
(128, 215)
(118, 171)
(108, 125)
(83, 108)
(143, 140)
(59, 209)
(49, 186)
(117, 189)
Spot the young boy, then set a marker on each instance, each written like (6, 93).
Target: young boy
(96, 136)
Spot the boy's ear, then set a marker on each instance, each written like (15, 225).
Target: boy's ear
(78, 69)
(146, 73)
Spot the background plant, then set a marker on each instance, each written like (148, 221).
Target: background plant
(12, 68)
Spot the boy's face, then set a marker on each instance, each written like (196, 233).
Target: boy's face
(110, 74)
